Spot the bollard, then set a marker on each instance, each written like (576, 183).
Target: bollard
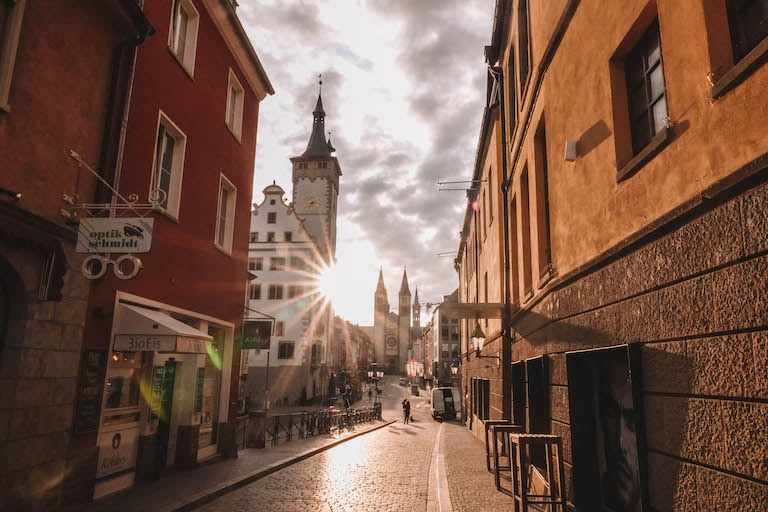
(256, 429)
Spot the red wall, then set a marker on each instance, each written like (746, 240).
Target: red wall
(184, 268)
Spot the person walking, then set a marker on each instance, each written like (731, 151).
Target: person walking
(406, 411)
(370, 394)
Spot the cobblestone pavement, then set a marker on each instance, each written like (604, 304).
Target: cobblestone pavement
(471, 486)
(386, 470)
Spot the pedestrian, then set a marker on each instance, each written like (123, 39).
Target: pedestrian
(406, 410)
(370, 394)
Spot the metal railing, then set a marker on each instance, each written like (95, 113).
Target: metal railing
(313, 423)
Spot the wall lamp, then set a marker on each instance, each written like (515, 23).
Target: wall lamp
(478, 340)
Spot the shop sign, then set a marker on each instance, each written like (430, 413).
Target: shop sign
(110, 235)
(155, 343)
(117, 451)
(257, 334)
(89, 391)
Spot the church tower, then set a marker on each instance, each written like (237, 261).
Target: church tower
(404, 321)
(380, 313)
(416, 310)
(316, 186)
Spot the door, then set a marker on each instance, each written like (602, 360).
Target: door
(163, 380)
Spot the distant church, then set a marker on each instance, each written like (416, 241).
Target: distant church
(393, 333)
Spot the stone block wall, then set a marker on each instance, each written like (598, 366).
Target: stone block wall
(38, 379)
(694, 294)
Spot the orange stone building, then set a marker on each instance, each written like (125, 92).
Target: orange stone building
(620, 232)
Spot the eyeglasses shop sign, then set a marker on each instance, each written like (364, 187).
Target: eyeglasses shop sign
(109, 235)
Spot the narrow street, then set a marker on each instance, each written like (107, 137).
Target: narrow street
(388, 469)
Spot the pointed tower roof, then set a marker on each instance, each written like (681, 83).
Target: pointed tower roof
(404, 286)
(317, 145)
(380, 286)
(416, 297)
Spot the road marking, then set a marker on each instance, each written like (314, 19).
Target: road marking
(439, 499)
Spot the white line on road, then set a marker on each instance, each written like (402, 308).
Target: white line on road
(439, 495)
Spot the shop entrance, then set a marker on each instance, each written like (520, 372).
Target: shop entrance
(162, 387)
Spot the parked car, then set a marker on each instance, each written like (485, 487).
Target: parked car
(403, 381)
(415, 389)
(442, 404)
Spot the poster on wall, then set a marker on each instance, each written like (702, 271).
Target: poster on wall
(117, 451)
(89, 390)
(606, 430)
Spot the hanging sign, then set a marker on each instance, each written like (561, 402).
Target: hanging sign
(257, 334)
(112, 234)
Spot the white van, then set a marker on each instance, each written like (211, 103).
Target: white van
(442, 404)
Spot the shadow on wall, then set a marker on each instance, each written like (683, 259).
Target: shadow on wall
(593, 137)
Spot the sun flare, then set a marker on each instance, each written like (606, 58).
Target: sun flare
(331, 283)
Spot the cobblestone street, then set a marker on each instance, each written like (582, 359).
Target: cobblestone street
(386, 470)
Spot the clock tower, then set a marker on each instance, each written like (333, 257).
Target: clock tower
(316, 186)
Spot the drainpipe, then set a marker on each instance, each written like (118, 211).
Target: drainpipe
(506, 327)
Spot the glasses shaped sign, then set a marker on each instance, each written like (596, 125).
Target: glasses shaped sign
(257, 334)
(115, 235)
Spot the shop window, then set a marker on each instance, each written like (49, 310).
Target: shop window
(607, 429)
(235, 100)
(538, 404)
(11, 13)
(748, 21)
(275, 292)
(270, 237)
(183, 34)
(272, 219)
(518, 393)
(209, 381)
(254, 291)
(285, 350)
(123, 380)
(168, 166)
(524, 45)
(254, 237)
(525, 228)
(542, 201)
(288, 236)
(279, 328)
(276, 263)
(225, 217)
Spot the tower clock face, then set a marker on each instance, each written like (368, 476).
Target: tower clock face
(311, 202)
(391, 342)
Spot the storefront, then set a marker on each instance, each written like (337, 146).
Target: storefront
(163, 397)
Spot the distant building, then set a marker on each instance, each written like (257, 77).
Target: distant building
(442, 342)
(284, 261)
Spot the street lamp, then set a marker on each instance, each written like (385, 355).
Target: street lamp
(454, 368)
(478, 340)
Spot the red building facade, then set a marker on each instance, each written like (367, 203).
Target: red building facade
(170, 386)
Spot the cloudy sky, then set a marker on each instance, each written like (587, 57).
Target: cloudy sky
(403, 88)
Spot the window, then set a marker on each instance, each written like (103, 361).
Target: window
(252, 264)
(295, 291)
(168, 166)
(490, 195)
(525, 217)
(11, 12)
(646, 89)
(288, 236)
(183, 34)
(511, 95)
(444, 332)
(254, 237)
(297, 263)
(748, 20)
(542, 202)
(275, 292)
(235, 99)
(484, 226)
(444, 354)
(538, 404)
(279, 328)
(513, 255)
(225, 218)
(254, 291)
(524, 44)
(272, 218)
(285, 350)
(270, 236)
(277, 264)
(518, 393)
(259, 263)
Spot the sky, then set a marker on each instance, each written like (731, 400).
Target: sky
(403, 91)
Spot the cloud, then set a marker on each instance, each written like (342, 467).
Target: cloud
(403, 90)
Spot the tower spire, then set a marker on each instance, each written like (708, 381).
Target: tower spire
(416, 296)
(404, 285)
(380, 286)
(317, 145)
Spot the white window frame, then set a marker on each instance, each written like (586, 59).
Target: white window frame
(187, 60)
(177, 171)
(229, 215)
(8, 53)
(235, 125)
